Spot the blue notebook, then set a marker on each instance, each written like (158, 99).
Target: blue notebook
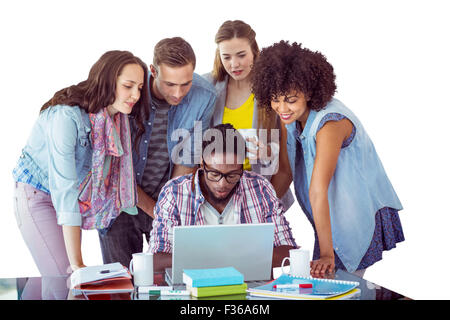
(212, 277)
(321, 288)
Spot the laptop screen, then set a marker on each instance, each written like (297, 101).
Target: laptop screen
(247, 247)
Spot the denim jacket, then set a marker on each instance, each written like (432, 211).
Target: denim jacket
(186, 124)
(58, 155)
(357, 190)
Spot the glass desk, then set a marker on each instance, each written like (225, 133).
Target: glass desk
(57, 288)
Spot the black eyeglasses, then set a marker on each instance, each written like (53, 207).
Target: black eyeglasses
(216, 176)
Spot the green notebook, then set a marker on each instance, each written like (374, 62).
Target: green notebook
(218, 290)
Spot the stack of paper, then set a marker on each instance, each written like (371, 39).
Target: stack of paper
(288, 287)
(103, 279)
(214, 282)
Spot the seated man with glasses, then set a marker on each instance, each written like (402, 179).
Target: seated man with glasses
(219, 192)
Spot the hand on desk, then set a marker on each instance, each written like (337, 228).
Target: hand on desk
(323, 266)
(76, 267)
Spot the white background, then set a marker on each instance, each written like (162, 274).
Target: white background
(391, 59)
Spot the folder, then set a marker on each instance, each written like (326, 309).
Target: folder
(108, 278)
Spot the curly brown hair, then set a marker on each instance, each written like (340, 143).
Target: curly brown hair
(285, 67)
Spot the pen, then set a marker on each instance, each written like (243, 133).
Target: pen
(299, 285)
(153, 289)
(175, 293)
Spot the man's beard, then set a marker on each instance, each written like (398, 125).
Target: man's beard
(216, 200)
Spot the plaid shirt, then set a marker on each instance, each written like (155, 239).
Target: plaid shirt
(179, 202)
(21, 173)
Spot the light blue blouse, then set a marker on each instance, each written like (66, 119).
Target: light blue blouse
(57, 157)
(357, 190)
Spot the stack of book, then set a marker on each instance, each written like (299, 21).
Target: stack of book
(216, 282)
(103, 280)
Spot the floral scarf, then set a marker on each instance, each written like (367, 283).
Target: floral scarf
(109, 187)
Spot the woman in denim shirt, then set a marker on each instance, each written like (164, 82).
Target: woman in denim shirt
(339, 180)
(236, 53)
(59, 158)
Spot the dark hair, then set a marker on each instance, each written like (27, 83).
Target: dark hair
(99, 90)
(227, 31)
(221, 137)
(174, 52)
(283, 67)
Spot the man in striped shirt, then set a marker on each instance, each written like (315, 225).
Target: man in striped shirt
(220, 192)
(179, 98)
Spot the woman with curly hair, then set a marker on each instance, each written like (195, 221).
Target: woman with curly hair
(236, 53)
(340, 182)
(76, 170)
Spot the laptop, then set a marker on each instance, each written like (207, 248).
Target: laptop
(246, 247)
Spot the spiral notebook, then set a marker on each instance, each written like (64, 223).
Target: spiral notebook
(321, 288)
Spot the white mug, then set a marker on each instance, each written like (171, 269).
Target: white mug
(141, 267)
(299, 263)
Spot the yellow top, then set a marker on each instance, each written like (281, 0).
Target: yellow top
(241, 118)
